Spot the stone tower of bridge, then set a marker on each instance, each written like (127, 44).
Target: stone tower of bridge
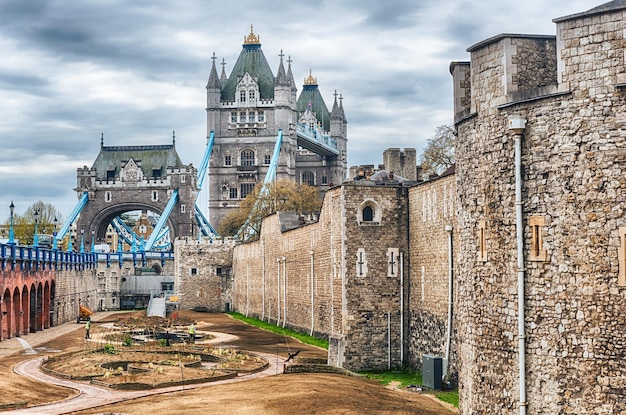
(126, 178)
(246, 110)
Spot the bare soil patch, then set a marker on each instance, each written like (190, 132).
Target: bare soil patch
(284, 393)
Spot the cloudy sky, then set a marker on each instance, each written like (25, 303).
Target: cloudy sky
(137, 70)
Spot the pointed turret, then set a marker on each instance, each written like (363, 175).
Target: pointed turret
(282, 89)
(214, 80)
(251, 61)
(223, 77)
(213, 97)
(292, 82)
(311, 94)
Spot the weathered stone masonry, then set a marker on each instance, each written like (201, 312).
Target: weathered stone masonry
(574, 186)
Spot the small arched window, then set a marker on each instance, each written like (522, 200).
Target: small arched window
(368, 214)
(308, 178)
(247, 158)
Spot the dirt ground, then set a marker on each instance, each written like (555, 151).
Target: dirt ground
(280, 394)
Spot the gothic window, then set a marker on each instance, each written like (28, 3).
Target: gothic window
(252, 96)
(369, 213)
(247, 158)
(242, 117)
(261, 116)
(242, 96)
(308, 178)
(233, 117)
(227, 160)
(155, 195)
(246, 188)
(233, 193)
(267, 159)
(251, 115)
(324, 180)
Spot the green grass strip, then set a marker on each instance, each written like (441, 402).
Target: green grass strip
(408, 377)
(304, 338)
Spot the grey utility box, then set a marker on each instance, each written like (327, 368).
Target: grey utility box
(432, 372)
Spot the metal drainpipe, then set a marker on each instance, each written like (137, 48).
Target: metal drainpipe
(517, 125)
(450, 279)
(312, 293)
(263, 279)
(284, 291)
(401, 309)
(278, 296)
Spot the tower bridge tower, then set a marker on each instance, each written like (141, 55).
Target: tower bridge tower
(246, 110)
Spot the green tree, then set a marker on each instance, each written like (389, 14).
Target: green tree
(282, 195)
(24, 224)
(438, 154)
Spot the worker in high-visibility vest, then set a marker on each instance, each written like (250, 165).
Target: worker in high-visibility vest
(87, 328)
(192, 332)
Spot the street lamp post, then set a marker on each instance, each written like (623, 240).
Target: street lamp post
(36, 237)
(54, 234)
(93, 237)
(82, 240)
(11, 232)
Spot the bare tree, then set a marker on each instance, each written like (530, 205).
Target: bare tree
(283, 195)
(438, 155)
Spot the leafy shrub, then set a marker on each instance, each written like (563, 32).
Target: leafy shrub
(108, 349)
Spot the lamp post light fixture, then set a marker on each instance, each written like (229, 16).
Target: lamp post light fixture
(82, 240)
(36, 237)
(54, 234)
(11, 232)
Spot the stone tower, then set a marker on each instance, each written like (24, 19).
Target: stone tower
(246, 110)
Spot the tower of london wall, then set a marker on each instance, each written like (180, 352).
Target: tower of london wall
(573, 174)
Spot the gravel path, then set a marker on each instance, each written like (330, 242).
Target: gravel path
(91, 396)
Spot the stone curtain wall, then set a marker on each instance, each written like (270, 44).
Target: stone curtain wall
(294, 278)
(203, 274)
(433, 207)
(574, 175)
(277, 275)
(74, 287)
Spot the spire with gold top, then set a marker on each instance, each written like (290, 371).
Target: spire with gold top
(310, 80)
(252, 39)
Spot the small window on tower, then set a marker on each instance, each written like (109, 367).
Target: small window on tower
(267, 159)
(233, 193)
(242, 96)
(227, 161)
(252, 96)
(261, 116)
(233, 117)
(251, 117)
(324, 180)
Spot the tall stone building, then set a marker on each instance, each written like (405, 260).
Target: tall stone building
(541, 181)
(247, 109)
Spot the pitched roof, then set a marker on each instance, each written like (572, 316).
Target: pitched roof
(251, 60)
(311, 94)
(149, 158)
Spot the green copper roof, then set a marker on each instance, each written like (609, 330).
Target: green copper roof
(310, 93)
(150, 158)
(251, 60)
